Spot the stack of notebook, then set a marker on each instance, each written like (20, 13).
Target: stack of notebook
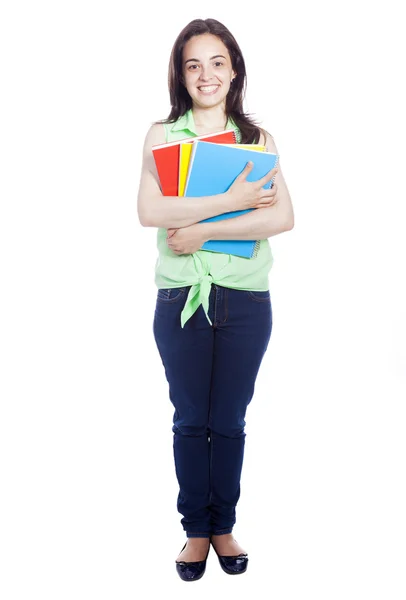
(208, 165)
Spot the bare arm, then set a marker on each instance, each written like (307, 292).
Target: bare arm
(256, 225)
(261, 223)
(156, 210)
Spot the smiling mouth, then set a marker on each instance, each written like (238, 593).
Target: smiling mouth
(208, 88)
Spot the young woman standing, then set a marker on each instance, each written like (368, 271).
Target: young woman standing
(213, 316)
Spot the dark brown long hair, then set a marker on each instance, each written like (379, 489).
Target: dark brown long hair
(180, 99)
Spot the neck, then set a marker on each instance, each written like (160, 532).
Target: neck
(213, 118)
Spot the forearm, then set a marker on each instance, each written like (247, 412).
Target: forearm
(258, 224)
(178, 211)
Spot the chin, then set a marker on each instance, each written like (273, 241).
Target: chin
(209, 100)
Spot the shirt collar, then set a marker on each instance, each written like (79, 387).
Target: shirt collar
(187, 122)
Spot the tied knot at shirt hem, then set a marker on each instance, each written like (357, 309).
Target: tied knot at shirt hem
(199, 294)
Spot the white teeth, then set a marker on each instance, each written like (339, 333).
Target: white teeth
(208, 88)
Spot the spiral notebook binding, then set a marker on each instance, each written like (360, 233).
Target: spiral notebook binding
(237, 136)
(256, 249)
(258, 242)
(275, 167)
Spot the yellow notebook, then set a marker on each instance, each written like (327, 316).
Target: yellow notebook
(184, 159)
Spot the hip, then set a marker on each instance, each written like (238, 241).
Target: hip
(228, 307)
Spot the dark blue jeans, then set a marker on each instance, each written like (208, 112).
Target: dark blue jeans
(211, 371)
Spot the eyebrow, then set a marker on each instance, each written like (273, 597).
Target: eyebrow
(211, 58)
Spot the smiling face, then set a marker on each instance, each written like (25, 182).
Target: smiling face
(207, 70)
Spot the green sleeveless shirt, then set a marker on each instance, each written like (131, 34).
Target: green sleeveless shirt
(202, 268)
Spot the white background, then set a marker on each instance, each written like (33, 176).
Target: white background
(88, 501)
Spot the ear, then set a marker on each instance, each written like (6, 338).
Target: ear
(234, 75)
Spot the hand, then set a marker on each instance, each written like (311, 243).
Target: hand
(245, 194)
(186, 240)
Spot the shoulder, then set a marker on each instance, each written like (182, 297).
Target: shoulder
(266, 139)
(154, 136)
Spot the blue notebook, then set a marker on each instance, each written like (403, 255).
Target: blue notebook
(212, 170)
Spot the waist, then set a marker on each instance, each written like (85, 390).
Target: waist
(202, 268)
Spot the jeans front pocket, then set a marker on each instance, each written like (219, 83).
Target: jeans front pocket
(260, 296)
(167, 295)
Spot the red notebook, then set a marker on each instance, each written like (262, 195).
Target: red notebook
(166, 158)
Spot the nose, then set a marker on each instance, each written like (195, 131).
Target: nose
(205, 73)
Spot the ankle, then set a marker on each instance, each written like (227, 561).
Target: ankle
(195, 541)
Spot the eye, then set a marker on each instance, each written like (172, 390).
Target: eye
(191, 67)
(218, 62)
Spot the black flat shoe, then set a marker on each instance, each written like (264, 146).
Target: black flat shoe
(232, 565)
(191, 571)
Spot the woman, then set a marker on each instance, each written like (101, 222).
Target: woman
(213, 316)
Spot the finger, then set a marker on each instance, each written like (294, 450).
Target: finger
(269, 192)
(268, 201)
(267, 204)
(267, 177)
(247, 169)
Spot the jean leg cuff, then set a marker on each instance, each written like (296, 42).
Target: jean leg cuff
(193, 534)
(222, 531)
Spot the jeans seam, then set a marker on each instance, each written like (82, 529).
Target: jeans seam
(225, 305)
(216, 295)
(211, 468)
